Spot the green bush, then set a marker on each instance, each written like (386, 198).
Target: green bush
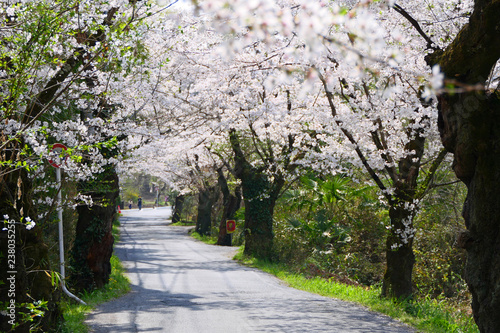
(342, 235)
(336, 231)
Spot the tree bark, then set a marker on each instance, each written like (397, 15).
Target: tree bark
(178, 205)
(260, 196)
(482, 218)
(31, 256)
(30, 251)
(259, 211)
(231, 205)
(469, 124)
(93, 247)
(206, 198)
(397, 282)
(472, 134)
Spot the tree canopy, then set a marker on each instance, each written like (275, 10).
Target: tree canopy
(266, 91)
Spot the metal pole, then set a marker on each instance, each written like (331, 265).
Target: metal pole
(61, 238)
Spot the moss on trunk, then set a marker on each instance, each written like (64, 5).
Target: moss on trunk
(260, 194)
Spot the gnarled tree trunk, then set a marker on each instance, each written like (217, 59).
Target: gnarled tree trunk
(28, 273)
(260, 194)
(469, 123)
(206, 199)
(472, 134)
(258, 214)
(93, 247)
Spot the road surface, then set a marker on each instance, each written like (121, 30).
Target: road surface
(180, 285)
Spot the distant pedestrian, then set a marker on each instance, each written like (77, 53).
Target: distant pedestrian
(139, 203)
(130, 202)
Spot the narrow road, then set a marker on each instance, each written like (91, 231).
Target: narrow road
(180, 285)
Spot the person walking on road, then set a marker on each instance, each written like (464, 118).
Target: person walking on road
(139, 203)
(130, 202)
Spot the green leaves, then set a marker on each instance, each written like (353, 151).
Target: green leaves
(315, 192)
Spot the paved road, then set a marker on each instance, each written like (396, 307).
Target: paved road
(180, 285)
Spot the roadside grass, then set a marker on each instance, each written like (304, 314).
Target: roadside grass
(204, 238)
(426, 315)
(183, 223)
(118, 285)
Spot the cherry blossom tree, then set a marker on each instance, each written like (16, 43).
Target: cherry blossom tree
(355, 70)
(289, 82)
(59, 59)
(364, 107)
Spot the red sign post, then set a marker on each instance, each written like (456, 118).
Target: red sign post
(230, 226)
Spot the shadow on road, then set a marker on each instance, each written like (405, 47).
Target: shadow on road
(299, 315)
(180, 285)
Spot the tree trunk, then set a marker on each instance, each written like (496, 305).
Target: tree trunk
(476, 133)
(259, 211)
(469, 124)
(93, 247)
(400, 259)
(231, 205)
(260, 196)
(179, 203)
(29, 271)
(482, 218)
(397, 281)
(206, 199)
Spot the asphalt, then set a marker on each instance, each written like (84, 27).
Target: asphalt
(180, 285)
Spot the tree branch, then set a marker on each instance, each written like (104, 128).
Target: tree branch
(351, 139)
(378, 140)
(416, 25)
(426, 184)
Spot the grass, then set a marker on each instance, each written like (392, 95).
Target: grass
(118, 285)
(184, 223)
(116, 229)
(426, 315)
(205, 239)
